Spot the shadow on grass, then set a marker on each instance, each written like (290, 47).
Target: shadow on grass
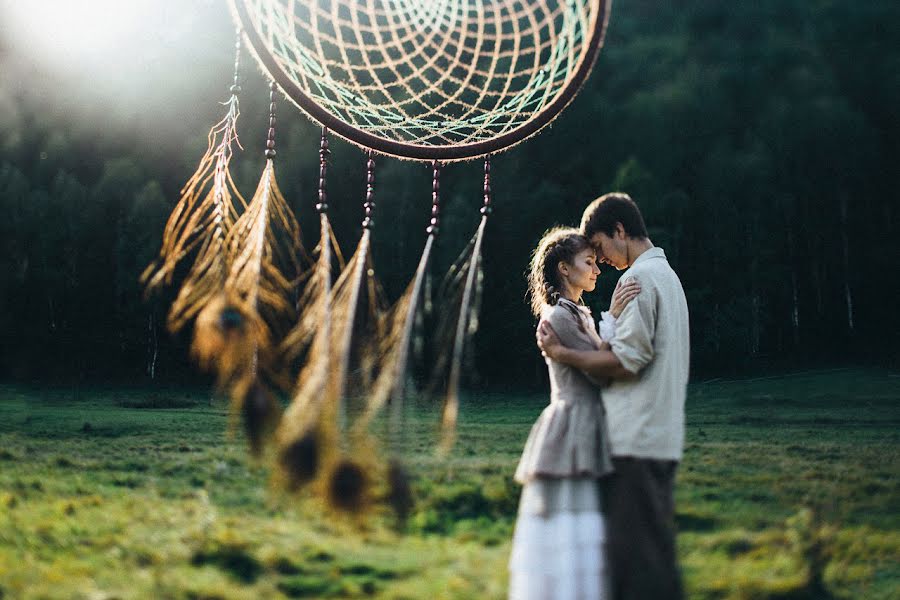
(688, 521)
(157, 402)
(234, 560)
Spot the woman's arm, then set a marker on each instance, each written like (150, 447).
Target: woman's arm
(598, 364)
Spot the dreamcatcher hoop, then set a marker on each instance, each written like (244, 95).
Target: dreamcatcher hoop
(337, 61)
(435, 80)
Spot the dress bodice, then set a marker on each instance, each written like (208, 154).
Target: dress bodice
(569, 439)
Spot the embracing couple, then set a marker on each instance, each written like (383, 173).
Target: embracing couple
(596, 516)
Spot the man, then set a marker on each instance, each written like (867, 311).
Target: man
(647, 361)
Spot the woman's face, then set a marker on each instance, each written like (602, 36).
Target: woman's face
(581, 274)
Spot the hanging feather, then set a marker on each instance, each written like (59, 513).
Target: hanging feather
(301, 438)
(303, 433)
(451, 291)
(314, 301)
(318, 401)
(467, 270)
(258, 280)
(314, 423)
(200, 221)
(466, 327)
(393, 353)
(263, 246)
(395, 344)
(318, 412)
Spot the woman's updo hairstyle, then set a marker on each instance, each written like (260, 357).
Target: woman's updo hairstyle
(544, 281)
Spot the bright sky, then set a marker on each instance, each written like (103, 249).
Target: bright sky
(77, 30)
(133, 60)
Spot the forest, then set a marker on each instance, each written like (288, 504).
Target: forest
(759, 138)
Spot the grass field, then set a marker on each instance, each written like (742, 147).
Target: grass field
(139, 494)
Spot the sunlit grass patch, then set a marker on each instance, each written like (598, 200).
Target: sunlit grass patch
(162, 504)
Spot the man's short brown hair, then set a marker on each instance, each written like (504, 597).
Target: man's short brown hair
(602, 214)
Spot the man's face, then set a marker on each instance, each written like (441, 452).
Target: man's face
(611, 250)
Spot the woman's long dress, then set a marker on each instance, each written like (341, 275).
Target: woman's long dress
(557, 550)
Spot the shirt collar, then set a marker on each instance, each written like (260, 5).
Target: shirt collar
(654, 252)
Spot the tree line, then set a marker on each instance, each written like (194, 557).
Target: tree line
(758, 138)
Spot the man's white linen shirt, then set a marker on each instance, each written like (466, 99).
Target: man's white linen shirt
(645, 413)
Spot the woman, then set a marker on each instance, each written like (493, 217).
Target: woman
(558, 542)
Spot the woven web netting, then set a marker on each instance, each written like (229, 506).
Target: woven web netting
(427, 74)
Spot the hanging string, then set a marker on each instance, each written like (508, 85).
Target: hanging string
(468, 320)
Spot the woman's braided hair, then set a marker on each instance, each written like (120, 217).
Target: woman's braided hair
(544, 280)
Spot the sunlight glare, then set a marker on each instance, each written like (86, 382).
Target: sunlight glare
(77, 30)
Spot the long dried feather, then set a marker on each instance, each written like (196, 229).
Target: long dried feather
(228, 334)
(199, 223)
(470, 276)
(344, 310)
(234, 333)
(394, 348)
(318, 408)
(315, 301)
(264, 246)
(450, 292)
(299, 437)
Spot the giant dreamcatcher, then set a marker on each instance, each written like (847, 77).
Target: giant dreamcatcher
(427, 80)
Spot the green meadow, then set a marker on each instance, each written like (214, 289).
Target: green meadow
(789, 489)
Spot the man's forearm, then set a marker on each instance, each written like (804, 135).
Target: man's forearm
(596, 363)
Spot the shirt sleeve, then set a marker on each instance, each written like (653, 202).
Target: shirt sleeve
(635, 330)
